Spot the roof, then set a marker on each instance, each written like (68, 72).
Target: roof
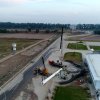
(93, 61)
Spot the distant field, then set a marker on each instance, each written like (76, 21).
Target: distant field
(92, 37)
(76, 57)
(6, 45)
(77, 46)
(86, 38)
(71, 93)
(22, 39)
(26, 35)
(97, 48)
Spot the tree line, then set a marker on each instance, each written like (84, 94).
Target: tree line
(92, 27)
(28, 27)
(88, 26)
(8, 25)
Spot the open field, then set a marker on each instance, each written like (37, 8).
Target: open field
(71, 93)
(30, 46)
(6, 45)
(97, 48)
(77, 46)
(73, 56)
(26, 35)
(21, 39)
(91, 37)
(86, 38)
(15, 63)
(75, 32)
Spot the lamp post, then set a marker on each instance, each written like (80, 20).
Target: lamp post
(61, 42)
(43, 62)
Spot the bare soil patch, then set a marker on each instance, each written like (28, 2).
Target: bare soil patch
(26, 35)
(86, 38)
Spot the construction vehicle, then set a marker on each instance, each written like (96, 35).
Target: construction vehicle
(56, 64)
(41, 70)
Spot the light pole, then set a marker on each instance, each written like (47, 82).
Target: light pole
(43, 62)
(61, 42)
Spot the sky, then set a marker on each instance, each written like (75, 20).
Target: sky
(50, 11)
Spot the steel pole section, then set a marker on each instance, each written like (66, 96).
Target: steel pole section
(61, 42)
(43, 62)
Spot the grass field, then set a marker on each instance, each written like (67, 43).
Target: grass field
(97, 48)
(73, 56)
(77, 46)
(6, 45)
(71, 93)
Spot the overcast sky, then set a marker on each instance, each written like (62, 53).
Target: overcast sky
(50, 11)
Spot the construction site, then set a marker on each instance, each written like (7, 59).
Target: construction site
(42, 70)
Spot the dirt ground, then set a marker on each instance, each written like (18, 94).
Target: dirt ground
(27, 35)
(10, 66)
(92, 37)
(86, 38)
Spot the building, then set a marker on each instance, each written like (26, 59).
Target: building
(93, 63)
